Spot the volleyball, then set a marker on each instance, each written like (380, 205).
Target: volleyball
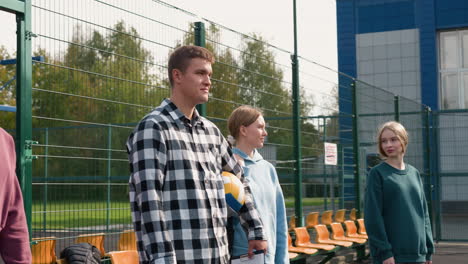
(234, 190)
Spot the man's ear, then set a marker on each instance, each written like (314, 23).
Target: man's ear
(176, 75)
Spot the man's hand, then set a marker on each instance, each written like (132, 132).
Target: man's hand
(428, 262)
(257, 245)
(389, 261)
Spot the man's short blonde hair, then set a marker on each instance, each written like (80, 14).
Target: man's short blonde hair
(399, 131)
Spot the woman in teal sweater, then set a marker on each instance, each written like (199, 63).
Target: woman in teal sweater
(395, 214)
(247, 127)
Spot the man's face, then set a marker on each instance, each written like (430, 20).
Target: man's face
(195, 83)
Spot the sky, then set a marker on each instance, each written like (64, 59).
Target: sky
(8, 31)
(272, 19)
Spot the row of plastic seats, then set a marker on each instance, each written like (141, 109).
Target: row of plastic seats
(43, 249)
(326, 218)
(324, 244)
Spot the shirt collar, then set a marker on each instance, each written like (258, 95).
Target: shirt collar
(179, 117)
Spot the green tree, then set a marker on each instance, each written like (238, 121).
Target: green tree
(98, 79)
(8, 92)
(331, 105)
(262, 85)
(254, 78)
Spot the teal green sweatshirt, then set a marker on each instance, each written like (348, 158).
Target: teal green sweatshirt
(396, 215)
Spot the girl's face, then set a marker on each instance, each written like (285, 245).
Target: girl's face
(254, 134)
(391, 144)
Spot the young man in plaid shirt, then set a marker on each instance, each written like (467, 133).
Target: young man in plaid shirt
(176, 158)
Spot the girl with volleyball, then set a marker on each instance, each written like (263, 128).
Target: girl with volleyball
(247, 128)
(395, 214)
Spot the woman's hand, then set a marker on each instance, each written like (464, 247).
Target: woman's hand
(428, 262)
(389, 261)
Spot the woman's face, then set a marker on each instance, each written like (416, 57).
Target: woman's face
(254, 134)
(391, 144)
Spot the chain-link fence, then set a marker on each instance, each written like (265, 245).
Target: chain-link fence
(99, 75)
(452, 174)
(376, 106)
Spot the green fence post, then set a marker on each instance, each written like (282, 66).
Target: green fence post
(427, 159)
(297, 128)
(200, 40)
(109, 167)
(325, 176)
(438, 224)
(356, 154)
(341, 173)
(396, 102)
(24, 107)
(46, 174)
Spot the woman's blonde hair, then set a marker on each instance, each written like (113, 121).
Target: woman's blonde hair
(399, 131)
(242, 116)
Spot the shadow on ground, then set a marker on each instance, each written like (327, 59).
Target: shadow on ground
(446, 253)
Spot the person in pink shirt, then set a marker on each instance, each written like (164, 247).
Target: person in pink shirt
(14, 236)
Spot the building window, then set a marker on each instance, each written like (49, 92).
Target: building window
(453, 69)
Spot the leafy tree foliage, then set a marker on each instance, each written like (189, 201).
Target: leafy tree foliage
(99, 79)
(252, 76)
(108, 77)
(8, 92)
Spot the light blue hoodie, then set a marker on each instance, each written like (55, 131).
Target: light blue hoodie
(269, 201)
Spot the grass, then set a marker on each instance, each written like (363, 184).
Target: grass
(289, 201)
(74, 214)
(69, 214)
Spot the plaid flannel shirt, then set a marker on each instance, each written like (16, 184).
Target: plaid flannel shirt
(176, 193)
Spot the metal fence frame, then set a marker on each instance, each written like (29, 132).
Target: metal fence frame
(348, 164)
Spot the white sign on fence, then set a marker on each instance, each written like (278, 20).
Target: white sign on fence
(331, 154)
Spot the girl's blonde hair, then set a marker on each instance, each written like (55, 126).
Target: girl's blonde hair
(242, 116)
(399, 131)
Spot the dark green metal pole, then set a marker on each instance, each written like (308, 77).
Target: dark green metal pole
(438, 180)
(427, 159)
(341, 173)
(297, 129)
(325, 176)
(46, 176)
(356, 154)
(396, 102)
(200, 41)
(109, 174)
(24, 109)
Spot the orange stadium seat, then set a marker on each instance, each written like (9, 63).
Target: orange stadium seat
(323, 236)
(124, 257)
(303, 240)
(312, 219)
(96, 240)
(43, 250)
(127, 240)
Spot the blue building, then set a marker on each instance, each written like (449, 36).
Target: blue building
(414, 48)
(417, 49)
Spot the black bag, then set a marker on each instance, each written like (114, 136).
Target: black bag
(82, 253)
